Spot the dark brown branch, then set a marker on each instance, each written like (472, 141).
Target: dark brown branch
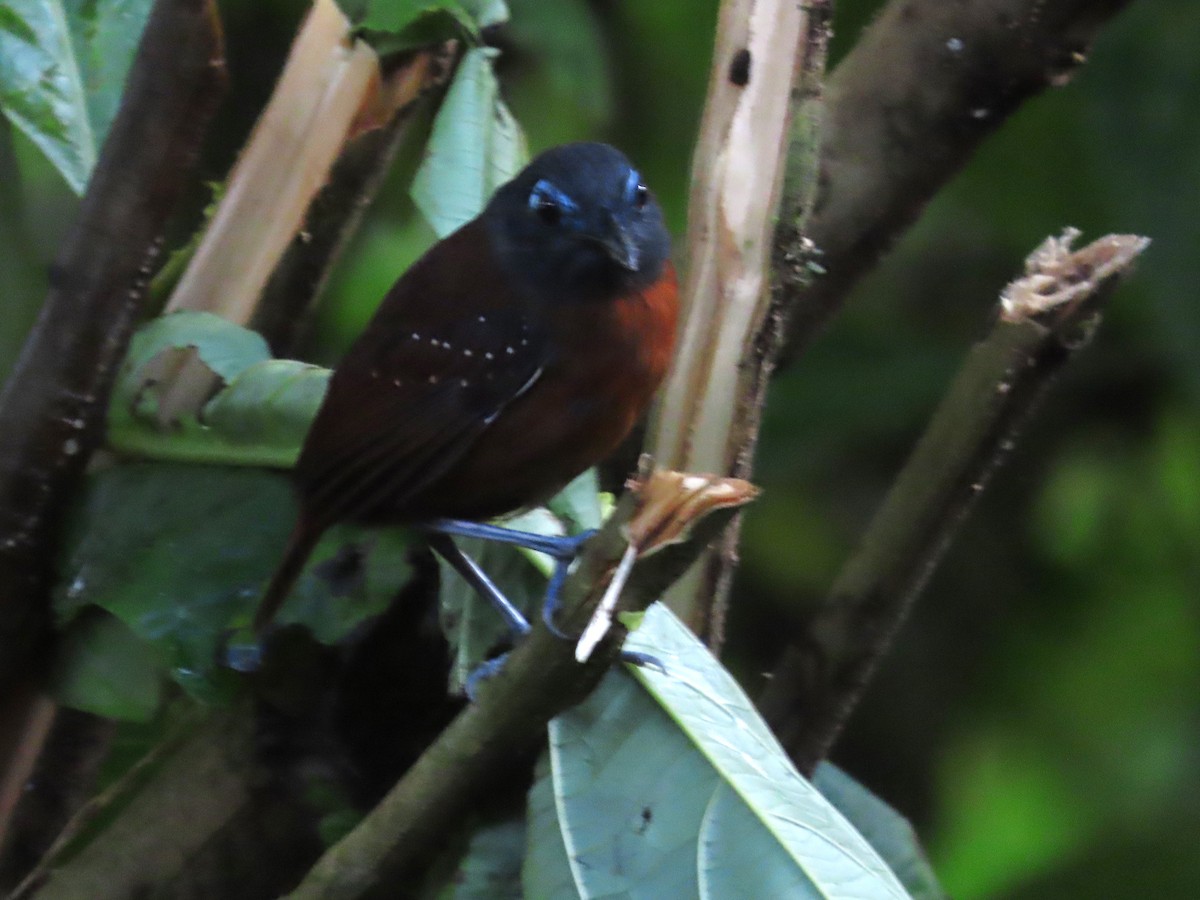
(540, 679)
(52, 408)
(923, 87)
(1045, 318)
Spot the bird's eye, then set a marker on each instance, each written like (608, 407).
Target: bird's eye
(548, 210)
(641, 196)
(550, 203)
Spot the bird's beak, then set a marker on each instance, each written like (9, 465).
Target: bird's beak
(618, 244)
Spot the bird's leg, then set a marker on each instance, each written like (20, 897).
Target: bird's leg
(559, 547)
(478, 579)
(563, 549)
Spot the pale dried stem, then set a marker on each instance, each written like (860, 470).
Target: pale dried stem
(328, 79)
(705, 418)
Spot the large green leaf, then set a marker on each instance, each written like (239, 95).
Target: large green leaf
(102, 667)
(691, 795)
(180, 553)
(629, 796)
(476, 145)
(62, 70)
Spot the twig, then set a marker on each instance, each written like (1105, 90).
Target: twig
(922, 88)
(1044, 318)
(539, 679)
(22, 742)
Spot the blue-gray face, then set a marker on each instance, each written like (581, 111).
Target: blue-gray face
(578, 222)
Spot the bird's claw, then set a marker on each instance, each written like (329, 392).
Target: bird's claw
(481, 673)
(563, 550)
(241, 650)
(643, 661)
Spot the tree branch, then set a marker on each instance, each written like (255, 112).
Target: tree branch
(540, 679)
(52, 408)
(1044, 318)
(905, 110)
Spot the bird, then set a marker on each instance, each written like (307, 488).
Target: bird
(517, 352)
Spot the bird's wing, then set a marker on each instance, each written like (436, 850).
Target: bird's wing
(410, 400)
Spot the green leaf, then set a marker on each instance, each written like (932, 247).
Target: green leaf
(268, 408)
(580, 503)
(675, 797)
(476, 145)
(397, 25)
(226, 348)
(353, 575)
(887, 831)
(180, 554)
(62, 72)
(487, 12)
(627, 787)
(260, 418)
(394, 16)
(103, 668)
(736, 849)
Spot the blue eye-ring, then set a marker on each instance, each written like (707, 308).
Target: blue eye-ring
(549, 202)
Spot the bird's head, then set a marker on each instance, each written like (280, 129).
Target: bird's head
(578, 221)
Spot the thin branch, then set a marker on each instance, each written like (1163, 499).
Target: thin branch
(52, 408)
(769, 56)
(59, 785)
(926, 83)
(539, 679)
(1044, 318)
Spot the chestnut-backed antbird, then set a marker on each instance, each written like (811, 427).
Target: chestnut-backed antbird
(516, 353)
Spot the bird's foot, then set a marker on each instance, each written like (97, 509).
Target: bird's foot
(481, 673)
(241, 649)
(564, 550)
(643, 661)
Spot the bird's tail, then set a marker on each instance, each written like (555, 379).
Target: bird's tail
(299, 547)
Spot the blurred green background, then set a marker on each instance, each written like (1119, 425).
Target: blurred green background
(1039, 717)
